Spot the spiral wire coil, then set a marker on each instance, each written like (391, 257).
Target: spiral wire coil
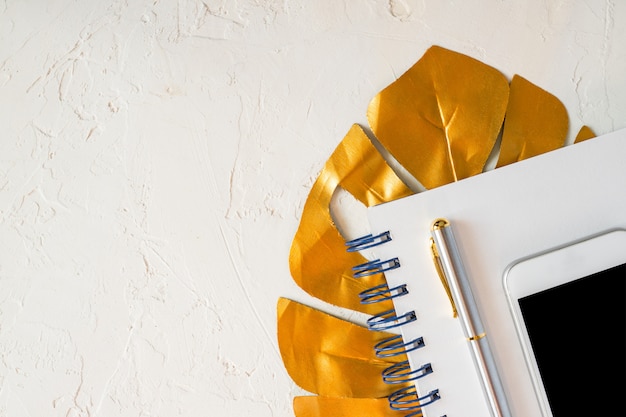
(407, 398)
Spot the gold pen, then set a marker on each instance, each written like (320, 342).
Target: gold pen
(452, 273)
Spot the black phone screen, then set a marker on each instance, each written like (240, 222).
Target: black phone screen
(578, 335)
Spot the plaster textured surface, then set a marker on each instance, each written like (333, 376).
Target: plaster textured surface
(155, 157)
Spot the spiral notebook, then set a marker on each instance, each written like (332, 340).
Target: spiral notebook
(499, 216)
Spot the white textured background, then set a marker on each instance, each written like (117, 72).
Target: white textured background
(154, 161)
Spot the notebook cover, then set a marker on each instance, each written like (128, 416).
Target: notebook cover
(498, 217)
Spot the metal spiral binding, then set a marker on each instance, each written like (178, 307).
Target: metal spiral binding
(375, 267)
(395, 345)
(367, 241)
(401, 372)
(381, 293)
(388, 320)
(406, 398)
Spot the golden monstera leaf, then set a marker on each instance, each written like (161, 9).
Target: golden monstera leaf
(443, 120)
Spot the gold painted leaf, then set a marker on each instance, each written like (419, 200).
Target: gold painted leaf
(441, 118)
(316, 406)
(318, 259)
(584, 133)
(329, 356)
(536, 122)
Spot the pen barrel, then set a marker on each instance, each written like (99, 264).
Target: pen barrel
(486, 368)
(468, 313)
(458, 282)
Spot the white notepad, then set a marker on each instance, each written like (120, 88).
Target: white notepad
(499, 217)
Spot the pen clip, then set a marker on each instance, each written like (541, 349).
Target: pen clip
(442, 275)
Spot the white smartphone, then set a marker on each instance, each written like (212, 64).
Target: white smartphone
(569, 308)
